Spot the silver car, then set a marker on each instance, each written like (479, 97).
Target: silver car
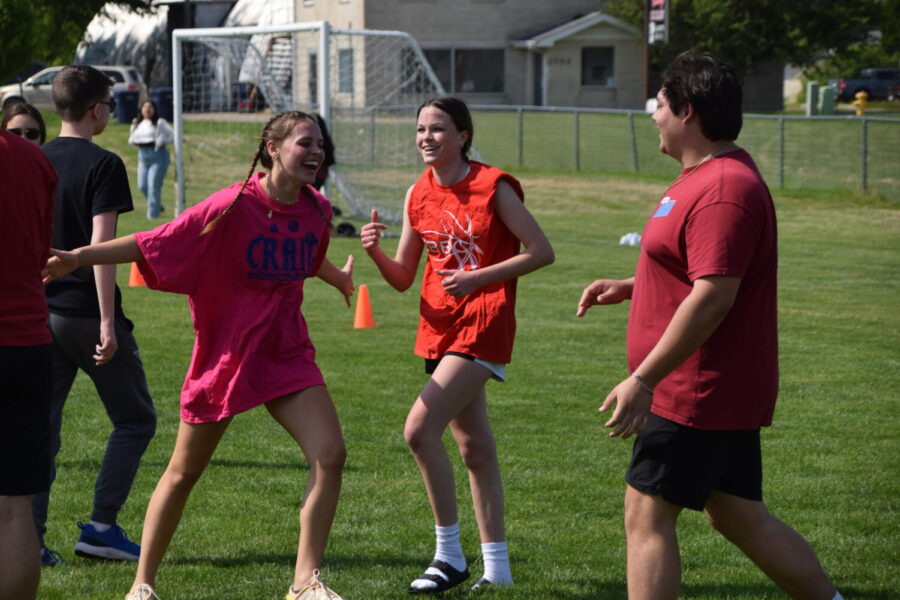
(36, 89)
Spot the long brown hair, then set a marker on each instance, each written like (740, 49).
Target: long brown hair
(277, 129)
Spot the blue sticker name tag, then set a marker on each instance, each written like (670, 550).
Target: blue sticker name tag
(665, 207)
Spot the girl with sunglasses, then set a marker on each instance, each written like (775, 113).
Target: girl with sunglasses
(26, 121)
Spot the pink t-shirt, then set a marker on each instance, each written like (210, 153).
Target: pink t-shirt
(244, 281)
(718, 220)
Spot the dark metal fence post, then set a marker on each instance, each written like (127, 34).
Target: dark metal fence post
(864, 174)
(576, 141)
(634, 150)
(781, 152)
(519, 135)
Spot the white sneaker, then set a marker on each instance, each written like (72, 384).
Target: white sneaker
(313, 589)
(142, 592)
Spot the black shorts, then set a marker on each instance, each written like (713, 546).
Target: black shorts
(25, 391)
(683, 464)
(498, 371)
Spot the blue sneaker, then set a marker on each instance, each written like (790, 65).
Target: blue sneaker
(50, 558)
(111, 544)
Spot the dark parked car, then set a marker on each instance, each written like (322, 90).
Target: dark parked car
(880, 84)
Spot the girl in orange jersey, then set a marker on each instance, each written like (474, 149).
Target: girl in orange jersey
(472, 221)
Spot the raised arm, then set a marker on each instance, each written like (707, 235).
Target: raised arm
(399, 271)
(117, 251)
(536, 252)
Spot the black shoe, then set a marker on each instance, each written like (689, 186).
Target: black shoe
(481, 583)
(451, 578)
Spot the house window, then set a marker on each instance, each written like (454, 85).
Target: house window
(468, 70)
(313, 77)
(440, 61)
(345, 71)
(597, 66)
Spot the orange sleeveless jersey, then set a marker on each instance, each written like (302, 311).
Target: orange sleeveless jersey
(461, 230)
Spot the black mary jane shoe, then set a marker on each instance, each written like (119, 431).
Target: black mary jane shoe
(451, 578)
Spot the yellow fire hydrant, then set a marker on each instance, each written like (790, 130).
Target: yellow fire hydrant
(861, 102)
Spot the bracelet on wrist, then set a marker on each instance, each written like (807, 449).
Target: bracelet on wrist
(642, 383)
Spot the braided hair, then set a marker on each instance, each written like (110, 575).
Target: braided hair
(276, 130)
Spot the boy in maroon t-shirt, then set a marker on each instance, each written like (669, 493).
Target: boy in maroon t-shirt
(702, 347)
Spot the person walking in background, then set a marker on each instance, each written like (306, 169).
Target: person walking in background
(252, 244)
(90, 330)
(26, 121)
(26, 222)
(151, 134)
(702, 347)
(471, 219)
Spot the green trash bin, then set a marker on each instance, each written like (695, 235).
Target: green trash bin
(827, 96)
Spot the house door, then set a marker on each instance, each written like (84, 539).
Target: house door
(537, 72)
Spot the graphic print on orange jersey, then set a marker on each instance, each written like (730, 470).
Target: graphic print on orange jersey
(455, 241)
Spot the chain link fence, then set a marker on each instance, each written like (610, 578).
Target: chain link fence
(842, 152)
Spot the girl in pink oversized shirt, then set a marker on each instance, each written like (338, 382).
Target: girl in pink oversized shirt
(241, 257)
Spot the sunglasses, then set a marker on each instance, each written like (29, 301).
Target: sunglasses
(111, 103)
(29, 132)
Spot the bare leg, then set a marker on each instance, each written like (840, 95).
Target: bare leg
(654, 565)
(194, 447)
(455, 384)
(20, 552)
(311, 419)
(776, 548)
(472, 433)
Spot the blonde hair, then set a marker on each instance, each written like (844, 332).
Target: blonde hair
(276, 130)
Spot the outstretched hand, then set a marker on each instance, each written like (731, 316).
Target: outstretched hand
(61, 263)
(346, 287)
(602, 291)
(370, 233)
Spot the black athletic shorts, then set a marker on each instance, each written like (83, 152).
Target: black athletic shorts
(683, 464)
(24, 420)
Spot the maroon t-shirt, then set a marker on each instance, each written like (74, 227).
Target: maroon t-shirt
(26, 223)
(716, 220)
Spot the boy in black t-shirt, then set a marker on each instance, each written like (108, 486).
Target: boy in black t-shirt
(93, 190)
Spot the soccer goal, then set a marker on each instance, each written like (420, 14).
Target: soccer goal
(365, 83)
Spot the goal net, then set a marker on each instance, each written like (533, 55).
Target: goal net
(366, 84)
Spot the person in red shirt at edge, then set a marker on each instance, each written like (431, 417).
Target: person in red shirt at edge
(702, 347)
(471, 219)
(26, 226)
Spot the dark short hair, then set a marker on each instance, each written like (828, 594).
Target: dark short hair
(713, 88)
(23, 108)
(459, 114)
(76, 89)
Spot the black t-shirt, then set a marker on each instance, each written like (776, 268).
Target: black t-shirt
(91, 181)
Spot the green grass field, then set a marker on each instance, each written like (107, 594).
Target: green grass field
(832, 457)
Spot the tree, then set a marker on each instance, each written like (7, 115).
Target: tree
(47, 30)
(748, 32)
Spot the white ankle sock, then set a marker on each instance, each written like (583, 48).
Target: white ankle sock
(496, 563)
(448, 549)
(101, 527)
(837, 596)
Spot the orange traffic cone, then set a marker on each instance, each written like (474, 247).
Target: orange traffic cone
(364, 318)
(135, 279)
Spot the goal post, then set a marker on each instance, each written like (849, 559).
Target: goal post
(366, 84)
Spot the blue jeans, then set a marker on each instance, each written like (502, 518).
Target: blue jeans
(152, 167)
